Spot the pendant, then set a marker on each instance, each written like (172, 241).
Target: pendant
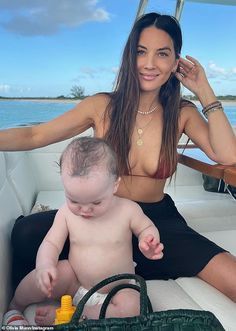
(140, 131)
(139, 142)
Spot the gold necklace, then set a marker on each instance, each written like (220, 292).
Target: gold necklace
(147, 112)
(140, 131)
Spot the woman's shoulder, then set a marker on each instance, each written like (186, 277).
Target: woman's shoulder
(188, 111)
(93, 106)
(185, 103)
(100, 100)
(99, 104)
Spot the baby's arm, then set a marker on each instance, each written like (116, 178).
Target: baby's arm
(48, 253)
(147, 233)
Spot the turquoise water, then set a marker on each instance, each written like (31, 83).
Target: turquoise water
(15, 113)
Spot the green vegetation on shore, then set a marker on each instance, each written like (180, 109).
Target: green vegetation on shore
(61, 97)
(228, 97)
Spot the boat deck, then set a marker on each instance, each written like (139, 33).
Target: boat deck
(31, 180)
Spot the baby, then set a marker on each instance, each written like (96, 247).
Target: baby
(100, 227)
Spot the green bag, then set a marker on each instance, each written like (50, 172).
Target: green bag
(170, 320)
(212, 184)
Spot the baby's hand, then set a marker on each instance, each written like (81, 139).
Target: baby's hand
(46, 279)
(151, 247)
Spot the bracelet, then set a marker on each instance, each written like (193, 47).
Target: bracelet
(216, 105)
(212, 105)
(211, 110)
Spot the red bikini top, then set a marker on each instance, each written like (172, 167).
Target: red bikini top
(161, 173)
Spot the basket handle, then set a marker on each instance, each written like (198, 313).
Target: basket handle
(114, 291)
(143, 294)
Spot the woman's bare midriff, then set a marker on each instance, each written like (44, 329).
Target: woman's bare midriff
(141, 188)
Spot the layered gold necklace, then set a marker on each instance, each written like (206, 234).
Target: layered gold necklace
(140, 130)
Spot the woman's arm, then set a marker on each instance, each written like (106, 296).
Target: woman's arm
(214, 136)
(71, 123)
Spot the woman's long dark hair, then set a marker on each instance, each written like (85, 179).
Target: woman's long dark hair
(122, 109)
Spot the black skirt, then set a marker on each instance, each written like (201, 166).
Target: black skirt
(186, 252)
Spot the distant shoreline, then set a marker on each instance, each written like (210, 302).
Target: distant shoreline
(224, 102)
(42, 100)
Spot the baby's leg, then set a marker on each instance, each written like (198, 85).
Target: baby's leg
(126, 303)
(27, 292)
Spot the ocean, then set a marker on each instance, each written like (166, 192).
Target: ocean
(19, 113)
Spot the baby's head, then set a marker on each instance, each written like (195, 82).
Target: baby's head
(90, 176)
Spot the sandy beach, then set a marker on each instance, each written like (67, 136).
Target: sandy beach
(42, 100)
(224, 103)
(228, 103)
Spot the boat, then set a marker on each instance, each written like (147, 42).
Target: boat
(30, 181)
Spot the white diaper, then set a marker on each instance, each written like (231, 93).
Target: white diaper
(95, 299)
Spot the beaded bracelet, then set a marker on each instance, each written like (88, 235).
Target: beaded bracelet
(206, 114)
(214, 106)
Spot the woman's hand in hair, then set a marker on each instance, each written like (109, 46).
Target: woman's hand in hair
(192, 75)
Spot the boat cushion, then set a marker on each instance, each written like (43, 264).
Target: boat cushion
(21, 177)
(10, 209)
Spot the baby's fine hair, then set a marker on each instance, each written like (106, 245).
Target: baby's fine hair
(85, 153)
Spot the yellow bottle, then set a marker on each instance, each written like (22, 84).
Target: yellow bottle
(65, 312)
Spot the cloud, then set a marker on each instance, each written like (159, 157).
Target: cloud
(115, 70)
(46, 17)
(217, 72)
(90, 72)
(96, 79)
(4, 88)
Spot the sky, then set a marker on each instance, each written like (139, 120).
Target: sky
(48, 46)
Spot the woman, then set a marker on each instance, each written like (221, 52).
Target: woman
(143, 119)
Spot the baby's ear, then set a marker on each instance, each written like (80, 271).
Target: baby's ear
(116, 185)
